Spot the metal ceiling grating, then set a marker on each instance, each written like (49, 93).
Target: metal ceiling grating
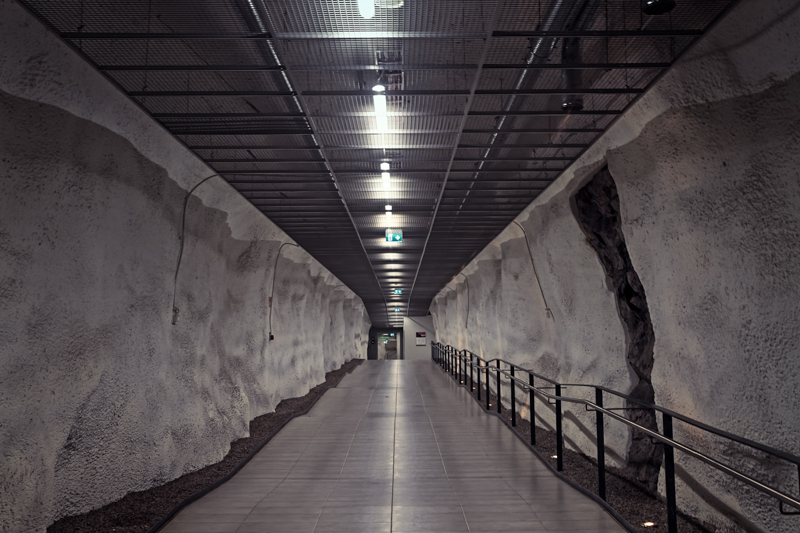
(487, 103)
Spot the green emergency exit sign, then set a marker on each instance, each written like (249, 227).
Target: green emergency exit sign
(394, 235)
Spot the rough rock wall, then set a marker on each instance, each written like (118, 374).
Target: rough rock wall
(100, 394)
(598, 213)
(705, 167)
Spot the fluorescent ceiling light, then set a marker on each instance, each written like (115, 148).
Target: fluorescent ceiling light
(388, 208)
(366, 8)
(385, 166)
(381, 117)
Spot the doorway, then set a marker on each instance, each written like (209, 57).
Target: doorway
(385, 344)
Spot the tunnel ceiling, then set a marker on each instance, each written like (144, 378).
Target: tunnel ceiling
(486, 103)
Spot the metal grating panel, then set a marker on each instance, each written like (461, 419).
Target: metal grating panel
(488, 102)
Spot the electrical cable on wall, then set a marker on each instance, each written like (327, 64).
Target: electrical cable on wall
(535, 274)
(175, 310)
(275, 275)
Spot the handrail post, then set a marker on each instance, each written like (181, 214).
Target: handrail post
(532, 410)
(471, 374)
(499, 402)
(601, 445)
(513, 399)
(479, 379)
(450, 360)
(488, 389)
(559, 433)
(669, 478)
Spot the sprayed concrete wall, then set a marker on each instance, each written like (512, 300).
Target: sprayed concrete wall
(706, 169)
(100, 394)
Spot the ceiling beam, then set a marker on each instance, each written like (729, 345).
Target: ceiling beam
(357, 35)
(574, 66)
(498, 8)
(600, 33)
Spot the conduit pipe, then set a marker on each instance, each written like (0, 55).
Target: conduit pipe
(535, 274)
(275, 275)
(175, 310)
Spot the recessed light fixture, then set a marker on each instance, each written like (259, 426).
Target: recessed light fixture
(388, 207)
(385, 166)
(658, 7)
(553, 457)
(649, 524)
(366, 8)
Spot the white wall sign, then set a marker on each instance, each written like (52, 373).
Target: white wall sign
(421, 338)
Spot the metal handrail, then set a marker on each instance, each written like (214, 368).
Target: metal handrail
(645, 405)
(455, 362)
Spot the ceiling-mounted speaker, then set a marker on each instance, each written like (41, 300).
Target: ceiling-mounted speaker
(658, 7)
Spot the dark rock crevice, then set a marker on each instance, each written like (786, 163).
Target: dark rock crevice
(597, 210)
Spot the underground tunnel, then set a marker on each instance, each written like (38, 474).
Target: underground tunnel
(400, 266)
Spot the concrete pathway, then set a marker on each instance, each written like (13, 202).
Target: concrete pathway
(396, 447)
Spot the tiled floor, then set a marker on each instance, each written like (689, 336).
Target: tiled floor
(396, 447)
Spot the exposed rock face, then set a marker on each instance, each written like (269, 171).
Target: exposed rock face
(705, 164)
(598, 213)
(100, 393)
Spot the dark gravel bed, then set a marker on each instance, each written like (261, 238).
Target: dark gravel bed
(138, 511)
(630, 499)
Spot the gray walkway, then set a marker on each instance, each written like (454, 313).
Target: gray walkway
(396, 447)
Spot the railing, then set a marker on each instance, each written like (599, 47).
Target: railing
(464, 365)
